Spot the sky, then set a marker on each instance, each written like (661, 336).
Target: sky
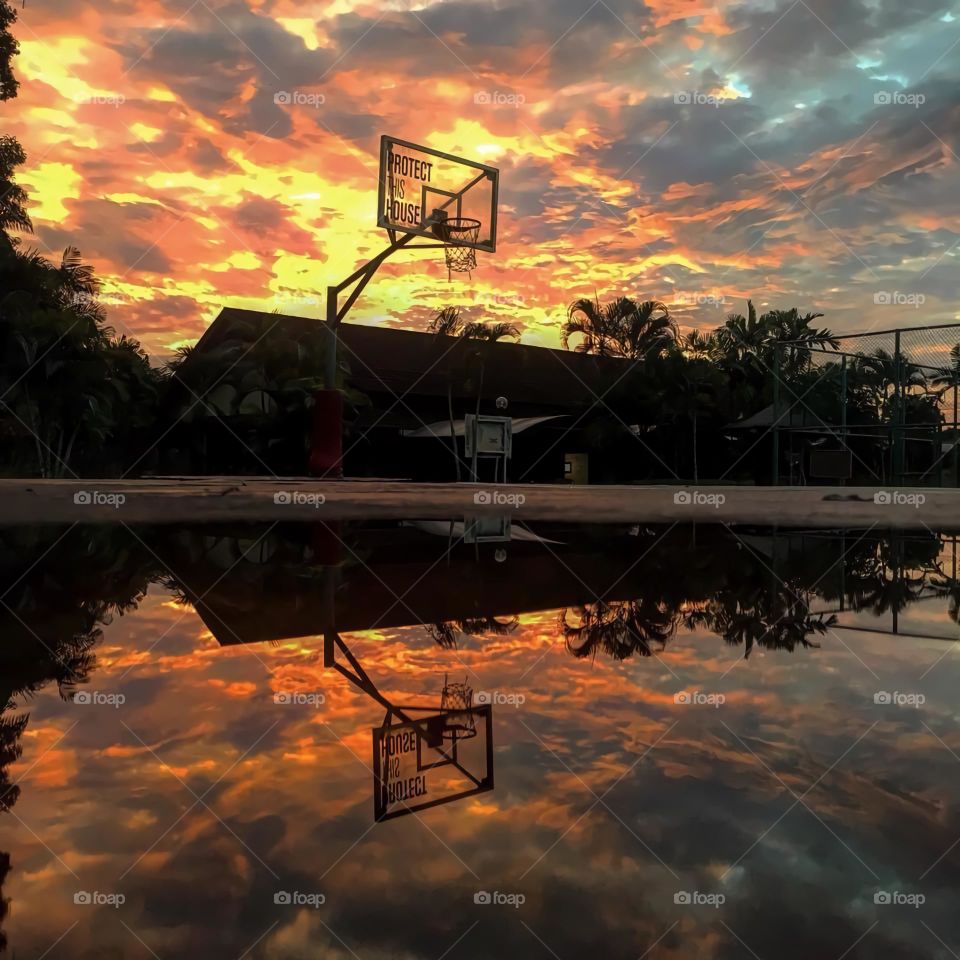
(204, 154)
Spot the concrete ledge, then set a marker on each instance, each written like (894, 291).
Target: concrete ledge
(225, 499)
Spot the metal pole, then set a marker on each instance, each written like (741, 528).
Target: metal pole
(843, 570)
(330, 372)
(775, 465)
(843, 408)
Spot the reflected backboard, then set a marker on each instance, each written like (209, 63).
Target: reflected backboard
(421, 188)
(416, 766)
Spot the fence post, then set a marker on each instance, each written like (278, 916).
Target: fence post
(843, 409)
(956, 463)
(897, 433)
(775, 464)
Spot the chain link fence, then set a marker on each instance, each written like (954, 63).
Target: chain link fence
(875, 408)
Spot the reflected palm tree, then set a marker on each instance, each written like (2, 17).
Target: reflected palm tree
(783, 622)
(4, 901)
(893, 575)
(11, 730)
(51, 621)
(619, 628)
(947, 585)
(445, 633)
(950, 588)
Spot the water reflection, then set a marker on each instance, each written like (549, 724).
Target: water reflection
(424, 754)
(796, 796)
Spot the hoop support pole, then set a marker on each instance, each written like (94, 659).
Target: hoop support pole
(335, 313)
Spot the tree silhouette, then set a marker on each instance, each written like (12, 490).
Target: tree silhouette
(622, 328)
(618, 628)
(445, 633)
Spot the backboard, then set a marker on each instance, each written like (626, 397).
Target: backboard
(421, 187)
(416, 767)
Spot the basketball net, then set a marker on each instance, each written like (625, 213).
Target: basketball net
(458, 233)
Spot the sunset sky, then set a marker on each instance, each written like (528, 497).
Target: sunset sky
(802, 152)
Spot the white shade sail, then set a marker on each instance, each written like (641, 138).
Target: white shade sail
(442, 427)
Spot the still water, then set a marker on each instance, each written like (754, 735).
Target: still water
(228, 742)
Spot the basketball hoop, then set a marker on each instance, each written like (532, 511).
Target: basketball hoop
(458, 233)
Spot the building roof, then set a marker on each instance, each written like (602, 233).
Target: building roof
(793, 416)
(385, 359)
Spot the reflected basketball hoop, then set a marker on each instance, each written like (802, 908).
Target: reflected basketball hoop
(422, 757)
(431, 760)
(456, 708)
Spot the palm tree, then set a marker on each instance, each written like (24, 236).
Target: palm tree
(743, 339)
(699, 346)
(798, 338)
(876, 376)
(622, 328)
(448, 322)
(485, 334)
(491, 332)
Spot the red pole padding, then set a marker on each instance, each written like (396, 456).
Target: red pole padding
(326, 442)
(327, 542)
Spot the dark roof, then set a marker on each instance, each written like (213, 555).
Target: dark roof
(384, 359)
(795, 416)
